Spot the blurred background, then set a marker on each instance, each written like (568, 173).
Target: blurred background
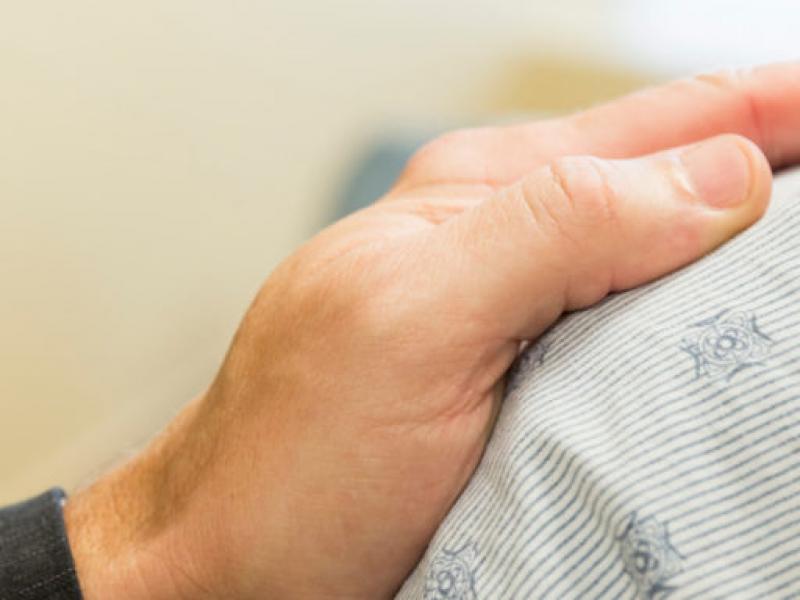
(158, 158)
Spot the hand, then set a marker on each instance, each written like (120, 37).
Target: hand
(359, 392)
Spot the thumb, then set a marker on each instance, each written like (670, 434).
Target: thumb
(568, 234)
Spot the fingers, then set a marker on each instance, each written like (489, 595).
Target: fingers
(761, 104)
(569, 233)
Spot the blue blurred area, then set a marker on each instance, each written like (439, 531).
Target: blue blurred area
(374, 172)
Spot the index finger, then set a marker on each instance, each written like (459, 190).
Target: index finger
(762, 104)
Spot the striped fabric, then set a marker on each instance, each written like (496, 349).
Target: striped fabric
(648, 447)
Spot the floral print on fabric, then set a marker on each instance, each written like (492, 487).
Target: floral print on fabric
(726, 344)
(649, 557)
(452, 575)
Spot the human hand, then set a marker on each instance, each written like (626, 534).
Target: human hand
(361, 387)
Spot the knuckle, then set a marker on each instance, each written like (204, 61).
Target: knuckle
(583, 189)
(733, 82)
(441, 153)
(724, 79)
(573, 204)
(433, 153)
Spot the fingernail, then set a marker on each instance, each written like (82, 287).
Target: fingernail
(719, 171)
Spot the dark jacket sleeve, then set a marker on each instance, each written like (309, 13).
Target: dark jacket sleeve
(35, 559)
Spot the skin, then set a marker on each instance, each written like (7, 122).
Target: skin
(361, 387)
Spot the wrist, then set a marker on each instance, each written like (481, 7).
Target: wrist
(130, 536)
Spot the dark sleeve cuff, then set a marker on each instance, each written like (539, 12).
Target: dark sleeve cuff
(35, 559)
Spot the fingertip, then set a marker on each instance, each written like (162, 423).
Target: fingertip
(719, 172)
(760, 191)
(732, 176)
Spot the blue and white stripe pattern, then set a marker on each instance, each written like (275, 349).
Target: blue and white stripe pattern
(648, 447)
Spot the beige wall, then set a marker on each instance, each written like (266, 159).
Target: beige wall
(157, 158)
